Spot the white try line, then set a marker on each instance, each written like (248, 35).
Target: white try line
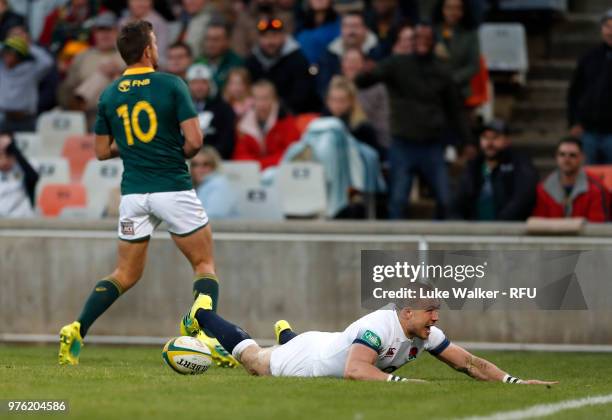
(542, 410)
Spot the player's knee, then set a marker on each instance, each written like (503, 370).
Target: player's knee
(126, 278)
(256, 361)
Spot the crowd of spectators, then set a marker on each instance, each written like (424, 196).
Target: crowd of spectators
(396, 74)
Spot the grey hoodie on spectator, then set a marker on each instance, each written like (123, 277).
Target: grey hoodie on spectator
(19, 85)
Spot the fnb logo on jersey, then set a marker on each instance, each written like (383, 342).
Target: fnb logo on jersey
(124, 85)
(137, 83)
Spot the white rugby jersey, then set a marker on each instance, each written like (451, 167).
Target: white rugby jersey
(382, 332)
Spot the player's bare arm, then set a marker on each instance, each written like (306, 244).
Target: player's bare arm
(360, 366)
(105, 147)
(193, 137)
(478, 368)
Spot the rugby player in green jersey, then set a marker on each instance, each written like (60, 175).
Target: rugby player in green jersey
(147, 119)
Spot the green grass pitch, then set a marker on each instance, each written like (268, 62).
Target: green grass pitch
(133, 382)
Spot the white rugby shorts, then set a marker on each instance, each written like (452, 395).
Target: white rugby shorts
(298, 357)
(140, 214)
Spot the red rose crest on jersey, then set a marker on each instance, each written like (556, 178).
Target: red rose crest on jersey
(412, 354)
(390, 352)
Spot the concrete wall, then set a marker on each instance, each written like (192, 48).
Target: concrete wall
(307, 272)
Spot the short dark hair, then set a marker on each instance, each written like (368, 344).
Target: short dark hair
(183, 45)
(467, 21)
(219, 22)
(355, 13)
(570, 140)
(133, 39)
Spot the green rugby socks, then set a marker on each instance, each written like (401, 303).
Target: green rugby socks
(101, 298)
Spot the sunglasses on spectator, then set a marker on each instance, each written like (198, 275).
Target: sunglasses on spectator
(567, 154)
(265, 25)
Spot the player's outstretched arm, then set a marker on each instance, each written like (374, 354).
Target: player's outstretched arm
(193, 137)
(463, 361)
(106, 148)
(360, 365)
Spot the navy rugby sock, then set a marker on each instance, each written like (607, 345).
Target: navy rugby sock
(285, 336)
(207, 284)
(228, 334)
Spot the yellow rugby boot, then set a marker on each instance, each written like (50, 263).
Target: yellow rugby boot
(189, 324)
(279, 327)
(219, 355)
(71, 344)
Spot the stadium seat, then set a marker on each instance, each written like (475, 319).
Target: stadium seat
(302, 191)
(601, 172)
(302, 120)
(28, 143)
(504, 46)
(55, 197)
(242, 174)
(71, 212)
(79, 150)
(259, 203)
(99, 178)
(51, 170)
(54, 127)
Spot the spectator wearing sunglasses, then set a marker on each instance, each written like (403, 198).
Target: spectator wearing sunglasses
(569, 191)
(244, 33)
(277, 57)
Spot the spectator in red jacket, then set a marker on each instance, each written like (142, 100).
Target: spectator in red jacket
(266, 131)
(569, 191)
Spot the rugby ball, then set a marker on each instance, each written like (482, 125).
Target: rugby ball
(187, 356)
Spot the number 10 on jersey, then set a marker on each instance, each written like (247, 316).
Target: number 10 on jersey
(132, 126)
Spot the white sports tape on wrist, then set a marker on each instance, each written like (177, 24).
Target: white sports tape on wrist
(508, 379)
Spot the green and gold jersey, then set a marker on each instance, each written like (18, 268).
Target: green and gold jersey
(142, 110)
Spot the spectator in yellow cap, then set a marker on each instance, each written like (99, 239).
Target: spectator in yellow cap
(21, 69)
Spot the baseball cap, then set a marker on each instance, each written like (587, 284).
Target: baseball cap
(105, 20)
(606, 16)
(199, 72)
(497, 125)
(18, 45)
